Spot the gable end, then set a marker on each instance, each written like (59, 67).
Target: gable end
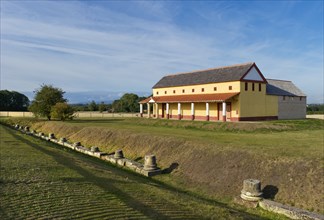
(253, 74)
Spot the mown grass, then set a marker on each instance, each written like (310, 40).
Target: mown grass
(40, 180)
(214, 157)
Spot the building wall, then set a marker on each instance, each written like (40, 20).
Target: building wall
(291, 107)
(208, 88)
(248, 105)
(213, 111)
(199, 110)
(256, 103)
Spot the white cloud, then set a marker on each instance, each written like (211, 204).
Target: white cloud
(81, 46)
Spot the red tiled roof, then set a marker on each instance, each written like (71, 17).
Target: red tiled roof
(145, 100)
(220, 97)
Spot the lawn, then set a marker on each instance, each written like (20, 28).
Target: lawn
(40, 180)
(213, 158)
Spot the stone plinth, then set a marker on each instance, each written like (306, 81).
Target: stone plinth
(251, 190)
(289, 211)
(150, 163)
(77, 144)
(63, 140)
(40, 134)
(94, 149)
(118, 154)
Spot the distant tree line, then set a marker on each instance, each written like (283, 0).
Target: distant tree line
(315, 109)
(13, 101)
(127, 103)
(49, 102)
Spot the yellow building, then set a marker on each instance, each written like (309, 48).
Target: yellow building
(230, 93)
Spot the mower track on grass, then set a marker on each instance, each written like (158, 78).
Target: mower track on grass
(40, 180)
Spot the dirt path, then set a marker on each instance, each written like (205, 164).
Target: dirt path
(315, 116)
(42, 181)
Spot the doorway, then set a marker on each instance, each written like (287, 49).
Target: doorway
(228, 111)
(163, 109)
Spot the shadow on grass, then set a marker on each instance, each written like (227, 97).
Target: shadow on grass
(270, 191)
(172, 167)
(108, 184)
(138, 159)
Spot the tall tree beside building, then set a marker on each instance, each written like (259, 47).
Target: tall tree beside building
(127, 103)
(13, 101)
(45, 98)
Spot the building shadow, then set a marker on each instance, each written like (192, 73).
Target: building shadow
(270, 191)
(172, 167)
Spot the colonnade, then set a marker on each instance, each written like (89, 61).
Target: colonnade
(156, 112)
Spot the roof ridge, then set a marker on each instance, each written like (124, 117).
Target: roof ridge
(279, 80)
(214, 68)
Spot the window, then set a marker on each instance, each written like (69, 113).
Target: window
(260, 87)
(193, 90)
(215, 88)
(202, 90)
(174, 91)
(284, 98)
(230, 87)
(246, 86)
(165, 92)
(183, 91)
(300, 98)
(252, 86)
(157, 93)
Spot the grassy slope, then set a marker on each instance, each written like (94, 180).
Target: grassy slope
(41, 180)
(280, 138)
(214, 158)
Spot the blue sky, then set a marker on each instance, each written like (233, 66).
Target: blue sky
(127, 46)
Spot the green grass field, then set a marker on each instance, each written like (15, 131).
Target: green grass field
(289, 138)
(40, 180)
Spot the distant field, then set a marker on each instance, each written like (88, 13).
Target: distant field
(42, 181)
(213, 158)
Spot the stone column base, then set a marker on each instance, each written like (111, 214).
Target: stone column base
(179, 116)
(192, 117)
(207, 117)
(167, 116)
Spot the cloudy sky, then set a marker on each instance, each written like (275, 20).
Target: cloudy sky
(127, 46)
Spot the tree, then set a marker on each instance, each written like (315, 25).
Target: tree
(92, 106)
(102, 107)
(13, 101)
(62, 111)
(127, 103)
(45, 98)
